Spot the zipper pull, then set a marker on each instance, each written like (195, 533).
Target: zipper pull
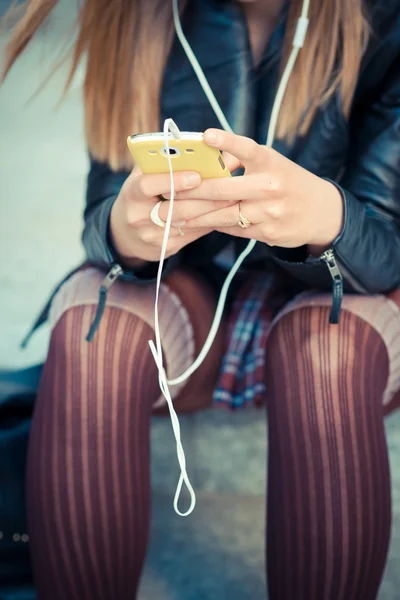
(105, 285)
(111, 276)
(337, 285)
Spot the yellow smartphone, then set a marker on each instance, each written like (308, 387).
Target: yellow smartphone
(188, 153)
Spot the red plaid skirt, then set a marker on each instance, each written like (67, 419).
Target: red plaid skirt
(242, 379)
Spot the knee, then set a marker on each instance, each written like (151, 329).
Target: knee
(67, 338)
(307, 341)
(121, 336)
(115, 369)
(68, 343)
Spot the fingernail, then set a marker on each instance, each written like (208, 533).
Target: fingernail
(191, 180)
(178, 223)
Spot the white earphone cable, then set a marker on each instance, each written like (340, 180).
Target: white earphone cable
(197, 69)
(298, 42)
(157, 348)
(169, 125)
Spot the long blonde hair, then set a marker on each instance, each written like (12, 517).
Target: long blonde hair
(126, 44)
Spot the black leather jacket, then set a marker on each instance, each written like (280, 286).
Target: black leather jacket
(362, 155)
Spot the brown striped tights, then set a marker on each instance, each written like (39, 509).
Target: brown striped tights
(328, 502)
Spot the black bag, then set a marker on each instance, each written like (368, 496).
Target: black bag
(17, 395)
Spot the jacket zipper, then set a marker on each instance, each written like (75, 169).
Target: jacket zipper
(327, 257)
(337, 284)
(354, 282)
(112, 275)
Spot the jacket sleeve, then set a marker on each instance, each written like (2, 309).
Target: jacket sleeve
(103, 187)
(368, 248)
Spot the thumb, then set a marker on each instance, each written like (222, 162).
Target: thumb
(136, 170)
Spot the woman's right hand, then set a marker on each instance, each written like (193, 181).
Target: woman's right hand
(135, 237)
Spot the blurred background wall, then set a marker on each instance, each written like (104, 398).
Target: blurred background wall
(43, 165)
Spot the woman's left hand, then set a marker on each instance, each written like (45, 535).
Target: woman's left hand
(287, 205)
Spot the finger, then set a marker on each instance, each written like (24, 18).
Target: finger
(152, 236)
(183, 210)
(225, 217)
(232, 163)
(160, 184)
(243, 148)
(136, 170)
(178, 241)
(232, 189)
(191, 235)
(153, 241)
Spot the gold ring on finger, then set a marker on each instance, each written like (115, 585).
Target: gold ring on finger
(243, 222)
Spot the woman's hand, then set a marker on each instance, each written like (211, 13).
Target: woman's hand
(287, 205)
(135, 237)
